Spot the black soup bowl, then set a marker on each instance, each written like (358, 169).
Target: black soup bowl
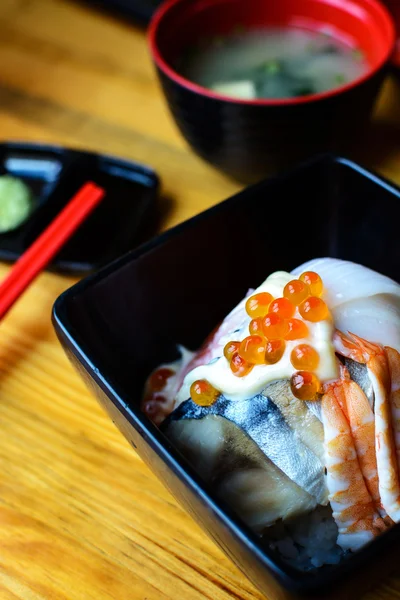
(107, 325)
(249, 139)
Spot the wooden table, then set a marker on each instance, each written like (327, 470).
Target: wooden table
(81, 517)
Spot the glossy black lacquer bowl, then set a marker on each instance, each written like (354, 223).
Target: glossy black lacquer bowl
(249, 139)
(114, 331)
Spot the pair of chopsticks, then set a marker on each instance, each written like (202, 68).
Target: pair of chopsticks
(46, 246)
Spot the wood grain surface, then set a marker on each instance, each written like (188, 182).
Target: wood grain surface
(81, 517)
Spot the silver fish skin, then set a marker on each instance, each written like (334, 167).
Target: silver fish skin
(238, 471)
(263, 422)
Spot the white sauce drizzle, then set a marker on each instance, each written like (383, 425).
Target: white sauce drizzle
(219, 374)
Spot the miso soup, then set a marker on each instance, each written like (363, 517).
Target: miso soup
(272, 63)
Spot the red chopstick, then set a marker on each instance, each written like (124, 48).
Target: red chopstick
(46, 246)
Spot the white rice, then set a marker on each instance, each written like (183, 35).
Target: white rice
(307, 542)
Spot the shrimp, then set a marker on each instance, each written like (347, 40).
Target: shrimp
(358, 413)
(376, 359)
(394, 364)
(353, 508)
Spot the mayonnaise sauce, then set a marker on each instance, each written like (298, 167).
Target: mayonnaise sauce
(218, 371)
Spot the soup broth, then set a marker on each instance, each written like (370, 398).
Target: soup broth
(272, 63)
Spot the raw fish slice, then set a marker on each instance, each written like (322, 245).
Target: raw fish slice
(159, 403)
(345, 281)
(201, 441)
(262, 421)
(298, 416)
(375, 318)
(239, 472)
(361, 300)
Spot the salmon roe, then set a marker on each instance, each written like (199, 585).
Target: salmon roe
(230, 349)
(282, 307)
(252, 349)
(304, 357)
(255, 326)
(296, 291)
(239, 366)
(257, 305)
(158, 379)
(274, 327)
(305, 385)
(297, 330)
(314, 309)
(203, 393)
(274, 351)
(314, 282)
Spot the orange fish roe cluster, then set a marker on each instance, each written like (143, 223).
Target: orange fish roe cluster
(282, 307)
(274, 327)
(239, 366)
(297, 330)
(314, 309)
(203, 393)
(230, 349)
(255, 326)
(274, 351)
(314, 282)
(304, 357)
(305, 385)
(296, 291)
(257, 305)
(274, 322)
(305, 294)
(252, 349)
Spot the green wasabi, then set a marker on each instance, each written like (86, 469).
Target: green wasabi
(15, 203)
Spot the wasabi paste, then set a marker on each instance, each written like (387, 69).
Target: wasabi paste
(15, 203)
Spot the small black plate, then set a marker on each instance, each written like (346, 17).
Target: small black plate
(54, 174)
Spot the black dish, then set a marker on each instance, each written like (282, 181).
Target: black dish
(107, 325)
(54, 174)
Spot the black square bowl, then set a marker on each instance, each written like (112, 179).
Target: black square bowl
(118, 324)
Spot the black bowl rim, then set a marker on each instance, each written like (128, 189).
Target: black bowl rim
(291, 578)
(181, 81)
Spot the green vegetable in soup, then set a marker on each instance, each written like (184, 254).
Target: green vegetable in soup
(274, 63)
(15, 203)
(340, 78)
(272, 67)
(358, 55)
